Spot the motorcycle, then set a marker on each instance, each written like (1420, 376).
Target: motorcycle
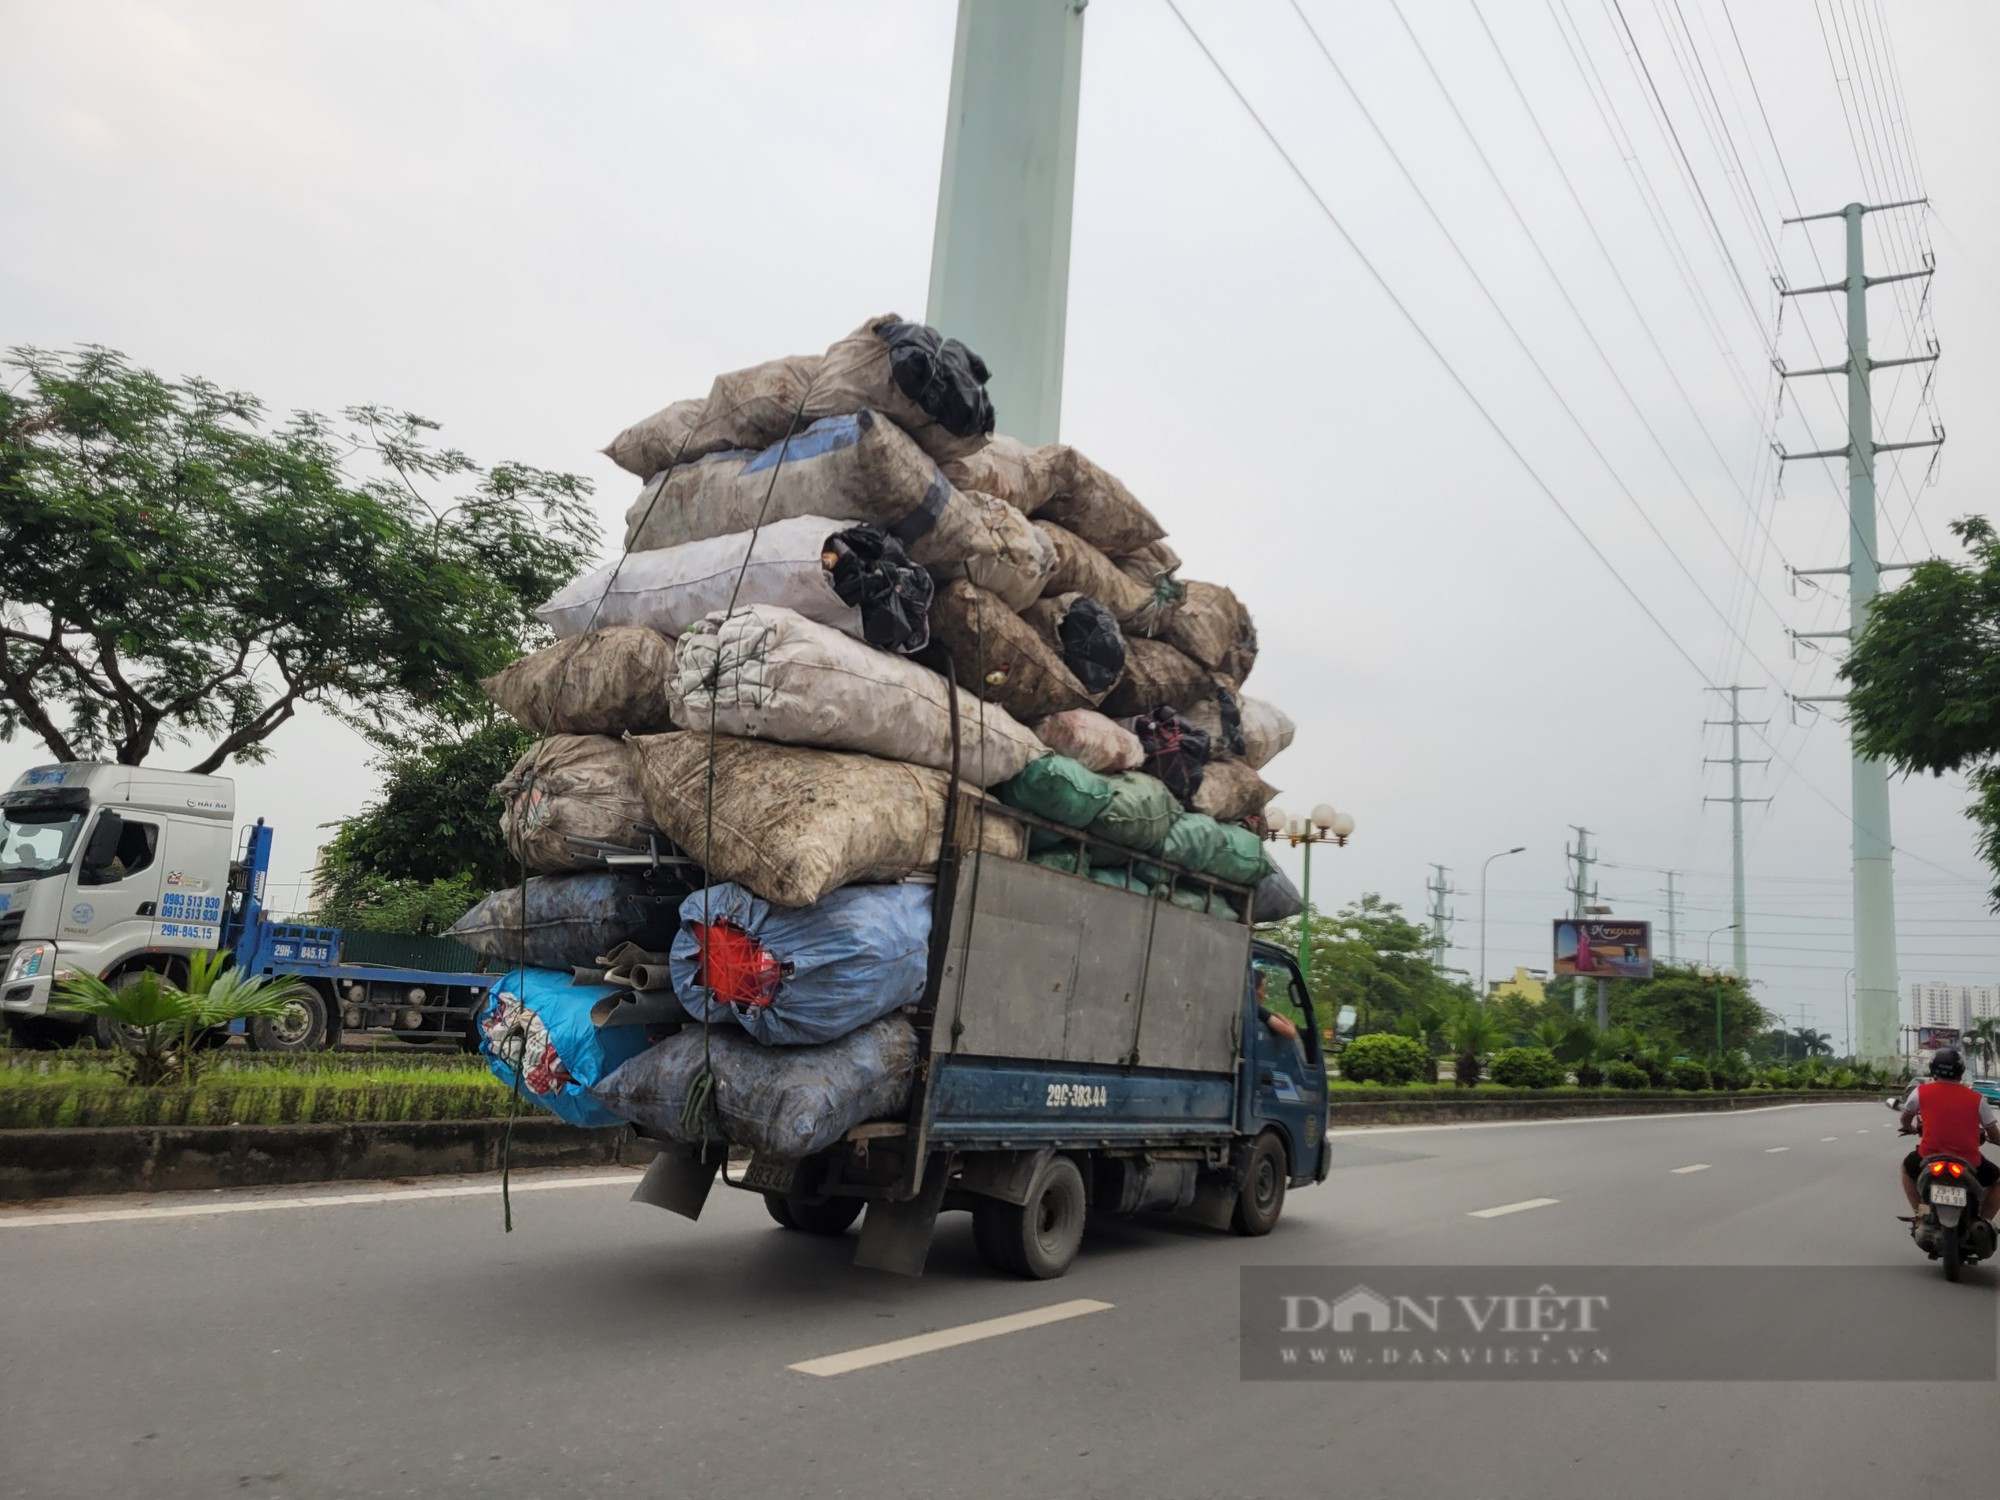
(1948, 1227)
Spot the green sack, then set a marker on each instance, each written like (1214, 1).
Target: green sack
(1116, 877)
(1242, 860)
(1060, 789)
(1202, 899)
(1139, 816)
(1068, 859)
(1195, 843)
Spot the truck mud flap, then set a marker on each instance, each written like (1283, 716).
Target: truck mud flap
(896, 1237)
(679, 1180)
(1214, 1201)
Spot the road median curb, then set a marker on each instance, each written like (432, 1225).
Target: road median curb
(1434, 1110)
(192, 1158)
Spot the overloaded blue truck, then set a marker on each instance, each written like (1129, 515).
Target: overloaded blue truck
(114, 870)
(1081, 1047)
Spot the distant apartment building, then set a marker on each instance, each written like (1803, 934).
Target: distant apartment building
(1935, 1003)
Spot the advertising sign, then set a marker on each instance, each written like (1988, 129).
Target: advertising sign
(1931, 1038)
(1607, 949)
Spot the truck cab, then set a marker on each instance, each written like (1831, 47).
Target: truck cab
(107, 868)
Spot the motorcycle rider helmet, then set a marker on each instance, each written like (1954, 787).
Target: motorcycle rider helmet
(1946, 1062)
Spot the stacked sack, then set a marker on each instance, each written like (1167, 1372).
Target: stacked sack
(758, 696)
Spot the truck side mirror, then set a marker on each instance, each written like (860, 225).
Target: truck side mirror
(102, 846)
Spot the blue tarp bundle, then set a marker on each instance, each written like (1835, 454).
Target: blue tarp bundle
(857, 953)
(537, 1022)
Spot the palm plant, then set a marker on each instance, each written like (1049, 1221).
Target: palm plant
(1813, 1043)
(1983, 1038)
(1588, 1049)
(1423, 1022)
(148, 1012)
(1471, 1031)
(164, 1022)
(1551, 1033)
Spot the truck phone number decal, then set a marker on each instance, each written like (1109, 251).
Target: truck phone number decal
(1077, 1096)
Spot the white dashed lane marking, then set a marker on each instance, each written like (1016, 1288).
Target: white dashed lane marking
(1700, 1166)
(1512, 1208)
(947, 1338)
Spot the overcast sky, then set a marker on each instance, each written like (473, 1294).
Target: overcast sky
(535, 222)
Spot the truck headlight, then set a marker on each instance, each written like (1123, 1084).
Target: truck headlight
(30, 961)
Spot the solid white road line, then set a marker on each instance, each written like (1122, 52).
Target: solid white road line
(947, 1338)
(1511, 1208)
(1774, 1150)
(320, 1200)
(1700, 1166)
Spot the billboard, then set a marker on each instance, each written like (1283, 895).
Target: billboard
(1931, 1038)
(1607, 949)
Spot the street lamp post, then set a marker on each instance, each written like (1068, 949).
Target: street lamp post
(1847, 1011)
(1517, 849)
(1324, 826)
(1709, 971)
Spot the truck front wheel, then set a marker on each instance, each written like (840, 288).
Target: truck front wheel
(1037, 1239)
(1263, 1195)
(302, 1026)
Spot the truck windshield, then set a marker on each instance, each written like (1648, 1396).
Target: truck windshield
(36, 841)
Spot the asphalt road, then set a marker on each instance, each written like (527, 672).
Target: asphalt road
(406, 1346)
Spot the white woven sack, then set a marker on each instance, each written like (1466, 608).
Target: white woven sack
(670, 588)
(1267, 729)
(770, 674)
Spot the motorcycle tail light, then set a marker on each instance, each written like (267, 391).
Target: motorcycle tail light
(1957, 1170)
(1937, 1169)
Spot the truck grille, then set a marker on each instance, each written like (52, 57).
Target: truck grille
(10, 928)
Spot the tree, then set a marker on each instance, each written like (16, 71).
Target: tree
(1369, 956)
(1471, 1031)
(1924, 677)
(173, 571)
(1677, 1006)
(1983, 1041)
(417, 857)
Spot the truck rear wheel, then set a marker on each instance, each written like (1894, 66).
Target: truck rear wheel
(1263, 1195)
(835, 1216)
(302, 1026)
(1037, 1239)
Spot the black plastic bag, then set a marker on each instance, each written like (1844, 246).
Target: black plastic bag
(941, 375)
(1231, 714)
(871, 571)
(1176, 752)
(1093, 646)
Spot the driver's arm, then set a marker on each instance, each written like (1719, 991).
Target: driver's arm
(1909, 1118)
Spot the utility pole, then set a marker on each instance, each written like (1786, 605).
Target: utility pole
(1673, 932)
(1582, 894)
(1737, 724)
(1000, 258)
(1441, 920)
(1875, 972)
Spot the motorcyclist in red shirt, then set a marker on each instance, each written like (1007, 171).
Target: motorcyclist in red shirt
(1956, 1121)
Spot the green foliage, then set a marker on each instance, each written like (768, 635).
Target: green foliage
(1528, 1068)
(1624, 1075)
(1982, 1043)
(162, 1022)
(82, 1090)
(1924, 676)
(174, 570)
(1384, 1057)
(1471, 1031)
(1730, 1071)
(1677, 1008)
(1371, 957)
(1688, 1074)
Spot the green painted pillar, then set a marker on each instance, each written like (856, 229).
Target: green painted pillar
(1000, 259)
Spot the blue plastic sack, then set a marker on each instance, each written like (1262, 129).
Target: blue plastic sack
(537, 1021)
(857, 953)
